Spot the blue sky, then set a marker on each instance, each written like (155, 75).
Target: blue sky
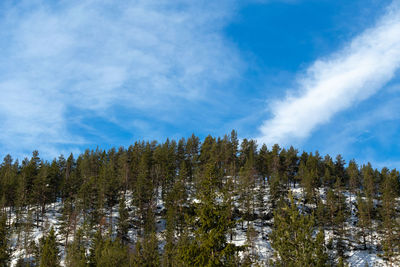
(318, 74)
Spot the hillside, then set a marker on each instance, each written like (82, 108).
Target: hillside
(193, 203)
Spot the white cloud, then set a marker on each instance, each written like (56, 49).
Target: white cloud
(94, 55)
(336, 83)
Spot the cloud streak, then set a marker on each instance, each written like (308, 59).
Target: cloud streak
(96, 56)
(335, 83)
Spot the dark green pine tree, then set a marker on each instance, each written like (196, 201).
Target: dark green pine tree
(247, 182)
(209, 247)
(390, 226)
(250, 253)
(40, 190)
(5, 250)
(293, 239)
(97, 244)
(65, 220)
(144, 193)
(363, 220)
(49, 256)
(146, 252)
(277, 184)
(310, 179)
(341, 216)
(262, 163)
(9, 180)
(336, 216)
(369, 192)
(176, 200)
(123, 221)
(329, 178)
(30, 171)
(76, 255)
(113, 254)
(110, 183)
(354, 178)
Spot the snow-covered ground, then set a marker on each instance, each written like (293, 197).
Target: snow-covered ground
(261, 245)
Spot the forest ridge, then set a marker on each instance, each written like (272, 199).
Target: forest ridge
(216, 202)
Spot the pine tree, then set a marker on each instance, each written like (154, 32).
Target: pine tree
(144, 195)
(146, 252)
(369, 192)
(66, 220)
(340, 170)
(110, 183)
(9, 181)
(40, 190)
(76, 255)
(329, 177)
(354, 177)
(310, 179)
(390, 227)
(123, 221)
(49, 253)
(113, 254)
(30, 173)
(250, 254)
(363, 220)
(4, 241)
(209, 247)
(96, 247)
(175, 203)
(293, 240)
(247, 181)
(341, 216)
(28, 224)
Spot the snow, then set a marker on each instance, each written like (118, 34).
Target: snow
(261, 245)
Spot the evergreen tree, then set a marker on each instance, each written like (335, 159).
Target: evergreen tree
(4, 241)
(146, 252)
(293, 240)
(363, 220)
(369, 192)
(175, 204)
(390, 226)
(40, 190)
(354, 177)
(49, 253)
(76, 254)
(96, 247)
(9, 181)
(123, 221)
(209, 247)
(341, 215)
(113, 254)
(250, 254)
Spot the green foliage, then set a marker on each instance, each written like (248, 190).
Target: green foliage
(49, 253)
(112, 254)
(146, 253)
(96, 247)
(123, 221)
(390, 226)
(4, 241)
(209, 246)
(206, 189)
(293, 238)
(76, 254)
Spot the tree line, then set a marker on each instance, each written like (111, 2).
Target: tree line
(182, 203)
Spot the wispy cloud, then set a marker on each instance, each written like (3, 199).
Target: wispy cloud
(337, 82)
(92, 56)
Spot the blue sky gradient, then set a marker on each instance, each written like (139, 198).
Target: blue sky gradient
(81, 74)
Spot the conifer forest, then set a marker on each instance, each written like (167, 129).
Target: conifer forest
(191, 202)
